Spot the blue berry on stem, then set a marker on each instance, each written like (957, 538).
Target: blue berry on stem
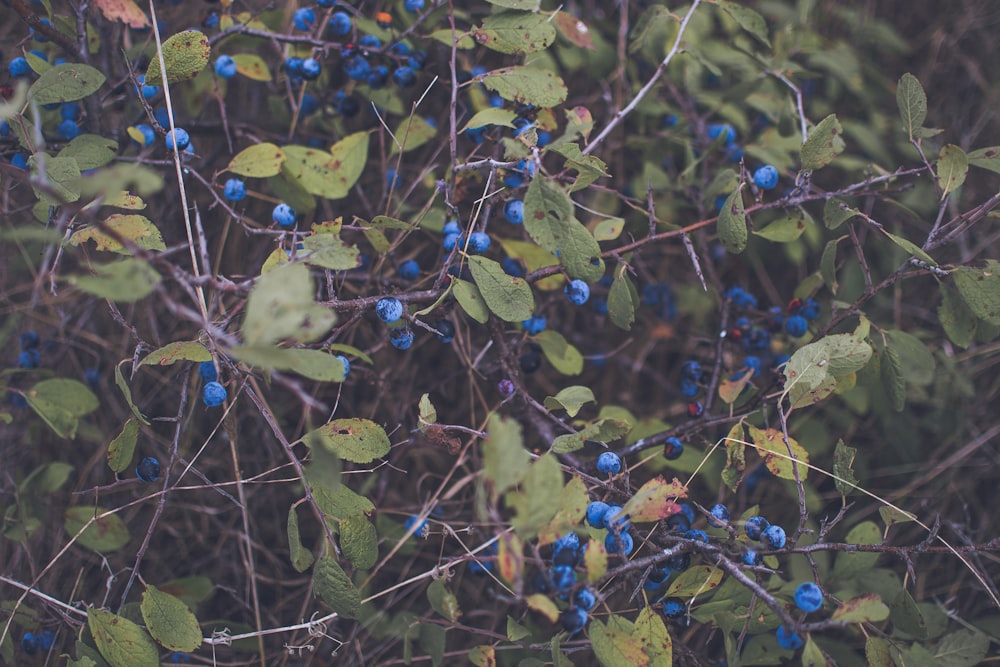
(673, 607)
(177, 137)
(774, 536)
(148, 469)
(68, 130)
(401, 339)
(796, 326)
(719, 512)
(304, 19)
(19, 67)
(347, 365)
(573, 619)
(311, 69)
(445, 330)
(766, 177)
(619, 544)
(513, 210)
(225, 66)
(609, 463)
(595, 513)
(389, 309)
(30, 643)
(340, 23)
(404, 76)
(213, 394)
(585, 599)
(147, 133)
(409, 270)
(29, 358)
(724, 130)
(577, 292)
(414, 6)
(206, 370)
(673, 448)
(755, 526)
(751, 557)
(283, 215)
(234, 189)
(788, 639)
(28, 340)
(808, 597)
(479, 242)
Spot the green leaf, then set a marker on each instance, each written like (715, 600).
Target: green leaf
(433, 639)
(524, 84)
(602, 430)
(732, 223)
(443, 601)
(60, 403)
(656, 642)
(126, 281)
(192, 590)
(785, 229)
(334, 587)
(328, 251)
(980, 288)
(170, 621)
(359, 541)
(877, 652)
(823, 145)
(570, 399)
(847, 565)
(623, 299)
(136, 228)
(564, 357)
(108, 533)
(534, 258)
(46, 479)
(428, 413)
(65, 83)
(952, 168)
(412, 132)
(616, 647)
(912, 103)
(90, 151)
(810, 375)
(121, 642)
(735, 457)
(891, 516)
(812, 655)
(696, 580)
(573, 503)
(516, 33)
(862, 609)
(62, 179)
(508, 297)
(535, 506)
(352, 439)
(957, 319)
(590, 167)
(330, 175)
(836, 212)
(491, 116)
(127, 393)
(655, 500)
(986, 158)
(505, 460)
(339, 502)
(772, 448)
(313, 364)
(281, 307)
(471, 300)
(122, 448)
(609, 229)
(916, 360)
(963, 648)
(893, 381)
(252, 67)
(171, 353)
(528, 5)
(748, 19)
(184, 54)
(550, 222)
(843, 470)
(301, 557)
(258, 161)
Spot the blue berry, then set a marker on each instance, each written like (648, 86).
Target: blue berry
(674, 608)
(30, 644)
(450, 241)
(808, 597)
(411, 521)
(506, 387)
(304, 19)
(774, 536)
(402, 50)
(609, 463)
(378, 77)
(309, 106)
(766, 177)
(69, 110)
(19, 67)
(293, 67)
(535, 324)
(283, 215)
(211, 21)
(347, 365)
(810, 309)
(404, 76)
(225, 66)
(401, 339)
(577, 292)
(751, 361)
(414, 6)
(93, 377)
(409, 270)
(29, 358)
(512, 267)
(177, 137)
(742, 298)
(689, 388)
(213, 394)
(719, 512)
(562, 578)
(697, 535)
(146, 90)
(311, 69)
(207, 372)
(751, 557)
(340, 23)
(724, 130)
(621, 543)
(147, 132)
(573, 619)
(46, 638)
(544, 138)
(347, 105)
(451, 227)
(615, 519)
(585, 599)
(673, 448)
(679, 562)
(796, 326)
(687, 512)
(389, 309)
(522, 125)
(479, 242)
(28, 340)
(691, 370)
(657, 579)
(595, 513)
(178, 658)
(20, 160)
(5, 128)
(445, 330)
(234, 190)
(357, 67)
(788, 639)
(369, 42)
(513, 210)
(37, 36)
(755, 526)
(513, 179)
(148, 469)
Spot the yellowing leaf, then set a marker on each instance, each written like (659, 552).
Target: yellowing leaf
(185, 54)
(655, 500)
(252, 66)
(258, 161)
(126, 11)
(136, 228)
(771, 447)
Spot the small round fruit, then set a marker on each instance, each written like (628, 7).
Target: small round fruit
(304, 19)
(207, 372)
(619, 544)
(68, 130)
(673, 448)
(697, 535)
(311, 69)
(506, 387)
(774, 537)
(225, 66)
(213, 394)
(414, 6)
(615, 519)
(479, 242)
(19, 67)
(451, 227)
(788, 639)
(562, 578)
(595, 513)
(28, 340)
(577, 291)
(177, 137)
(674, 608)
(535, 324)
(609, 463)
(766, 177)
(29, 358)
(513, 210)
(755, 526)
(31, 645)
(751, 557)
(340, 23)
(409, 270)
(450, 241)
(808, 597)
(411, 521)
(401, 339)
(347, 365)
(389, 309)
(404, 76)
(146, 132)
(234, 190)
(148, 469)
(585, 599)
(573, 619)
(796, 326)
(720, 513)
(283, 215)
(724, 130)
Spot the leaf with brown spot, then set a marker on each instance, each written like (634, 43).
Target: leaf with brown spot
(126, 11)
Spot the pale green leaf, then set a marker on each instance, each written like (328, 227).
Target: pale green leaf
(258, 161)
(748, 19)
(352, 439)
(732, 224)
(550, 221)
(332, 585)
(122, 448)
(824, 144)
(561, 354)
(281, 307)
(952, 168)
(135, 228)
(491, 116)
(126, 281)
(912, 103)
(184, 54)
(359, 541)
(980, 288)
(570, 399)
(508, 297)
(108, 533)
(471, 300)
(516, 33)
(862, 609)
(65, 83)
(170, 621)
(121, 642)
(171, 353)
(505, 460)
(524, 84)
(302, 558)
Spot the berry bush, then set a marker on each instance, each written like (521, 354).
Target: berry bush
(503, 332)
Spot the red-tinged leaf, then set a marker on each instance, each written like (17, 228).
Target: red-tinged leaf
(126, 11)
(655, 500)
(574, 30)
(510, 558)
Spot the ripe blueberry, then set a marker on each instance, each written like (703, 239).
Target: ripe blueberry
(618, 543)
(225, 66)
(513, 210)
(414, 6)
(535, 324)
(340, 23)
(595, 513)
(673, 607)
(421, 530)
(796, 326)
(808, 597)
(404, 76)
(68, 130)
(148, 469)
(751, 557)
(29, 340)
(179, 137)
(389, 309)
(766, 177)
(755, 526)
(445, 330)
(673, 449)
(788, 639)
(311, 69)
(304, 19)
(29, 358)
(479, 242)
(720, 513)
(573, 619)
(145, 132)
(698, 535)
(283, 215)
(585, 599)
(347, 365)
(409, 270)
(213, 394)
(577, 292)
(451, 227)
(774, 537)
(401, 339)
(450, 241)
(234, 190)
(609, 463)
(206, 370)
(615, 519)
(724, 130)
(562, 578)
(19, 67)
